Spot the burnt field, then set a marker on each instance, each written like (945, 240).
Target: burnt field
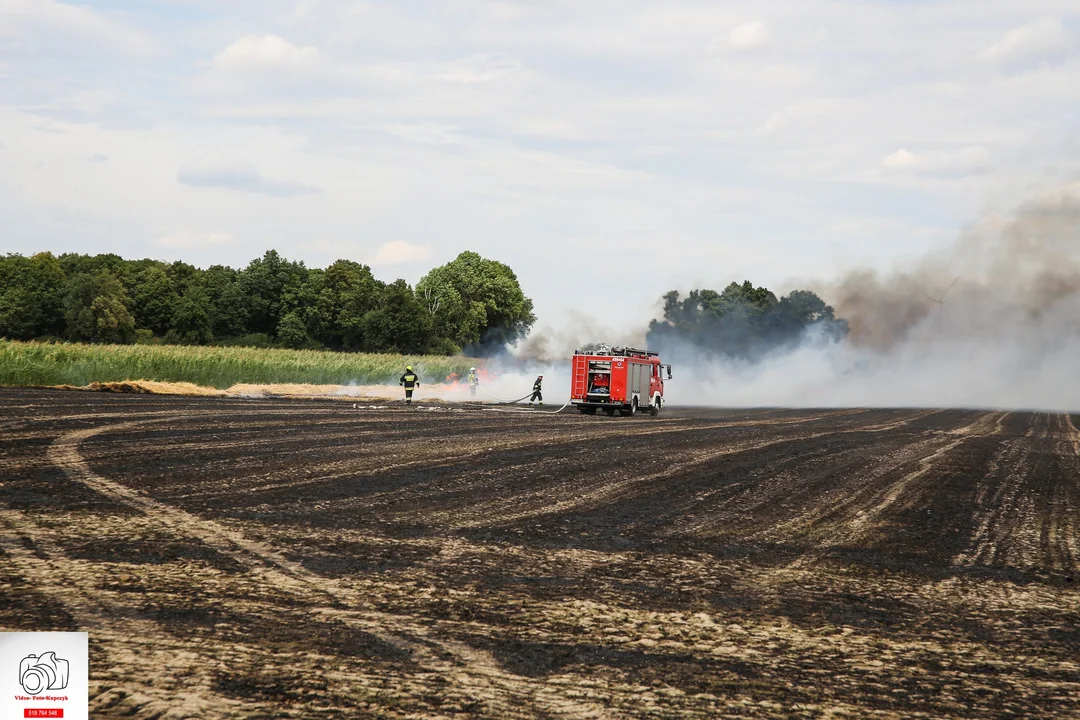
(258, 558)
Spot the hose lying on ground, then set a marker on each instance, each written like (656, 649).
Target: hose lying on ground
(523, 410)
(512, 402)
(504, 402)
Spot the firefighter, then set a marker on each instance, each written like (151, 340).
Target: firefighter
(409, 381)
(474, 381)
(537, 395)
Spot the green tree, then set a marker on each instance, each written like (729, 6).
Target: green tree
(273, 286)
(399, 324)
(736, 296)
(74, 264)
(472, 300)
(96, 309)
(192, 321)
(31, 296)
(742, 321)
(153, 298)
(183, 275)
(291, 331)
(803, 309)
(469, 301)
(229, 304)
(341, 296)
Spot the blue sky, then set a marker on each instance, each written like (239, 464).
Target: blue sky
(607, 151)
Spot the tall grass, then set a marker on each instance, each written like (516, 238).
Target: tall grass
(31, 363)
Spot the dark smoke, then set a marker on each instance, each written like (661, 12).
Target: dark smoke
(1019, 276)
(1005, 335)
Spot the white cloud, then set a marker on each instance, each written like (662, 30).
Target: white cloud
(265, 52)
(773, 125)
(750, 36)
(187, 240)
(241, 176)
(423, 133)
(900, 160)
(339, 249)
(965, 161)
(517, 136)
(548, 127)
(477, 69)
(1034, 39)
(973, 159)
(399, 252)
(55, 28)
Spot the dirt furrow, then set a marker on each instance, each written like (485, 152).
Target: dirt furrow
(241, 559)
(864, 520)
(122, 637)
(997, 493)
(473, 671)
(610, 489)
(1028, 522)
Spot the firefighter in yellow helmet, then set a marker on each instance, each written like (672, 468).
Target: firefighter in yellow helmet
(409, 381)
(474, 381)
(537, 395)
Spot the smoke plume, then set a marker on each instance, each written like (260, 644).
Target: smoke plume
(1017, 278)
(992, 320)
(550, 345)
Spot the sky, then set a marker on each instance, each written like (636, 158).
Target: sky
(606, 151)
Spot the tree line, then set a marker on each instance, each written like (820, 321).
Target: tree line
(743, 321)
(470, 303)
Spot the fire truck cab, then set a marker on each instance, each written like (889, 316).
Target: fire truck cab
(620, 379)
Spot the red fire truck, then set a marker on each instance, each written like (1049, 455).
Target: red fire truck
(619, 378)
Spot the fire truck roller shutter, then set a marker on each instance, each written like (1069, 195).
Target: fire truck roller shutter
(640, 374)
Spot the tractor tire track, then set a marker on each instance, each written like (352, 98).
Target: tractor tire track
(126, 640)
(473, 670)
(858, 505)
(1027, 515)
(611, 490)
(411, 458)
(745, 584)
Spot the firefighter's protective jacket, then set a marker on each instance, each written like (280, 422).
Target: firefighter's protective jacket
(536, 385)
(473, 379)
(409, 379)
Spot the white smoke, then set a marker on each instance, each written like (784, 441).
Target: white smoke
(1005, 335)
(963, 373)
(550, 345)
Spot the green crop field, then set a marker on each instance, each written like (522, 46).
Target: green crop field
(31, 363)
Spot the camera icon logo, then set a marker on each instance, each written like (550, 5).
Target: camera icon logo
(38, 673)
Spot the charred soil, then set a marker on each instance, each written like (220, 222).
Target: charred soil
(236, 557)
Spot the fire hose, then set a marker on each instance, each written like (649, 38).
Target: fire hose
(501, 401)
(512, 402)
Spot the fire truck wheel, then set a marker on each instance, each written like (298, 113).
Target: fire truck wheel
(654, 409)
(632, 410)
